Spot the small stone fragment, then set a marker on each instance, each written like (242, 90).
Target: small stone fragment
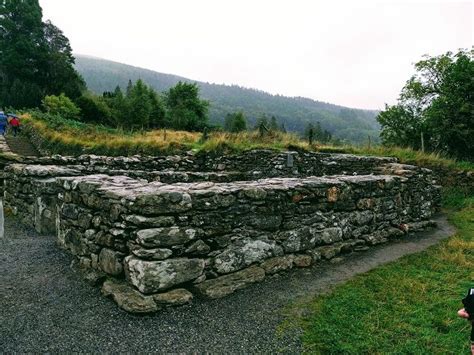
(303, 260)
(175, 297)
(227, 284)
(277, 264)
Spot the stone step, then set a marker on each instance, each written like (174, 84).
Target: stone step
(21, 145)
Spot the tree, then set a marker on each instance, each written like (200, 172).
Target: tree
(185, 110)
(310, 133)
(235, 122)
(61, 105)
(273, 124)
(35, 57)
(95, 109)
(437, 101)
(141, 105)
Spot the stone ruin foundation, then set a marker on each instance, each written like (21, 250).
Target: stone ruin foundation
(158, 231)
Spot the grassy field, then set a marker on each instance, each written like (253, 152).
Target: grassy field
(406, 307)
(71, 137)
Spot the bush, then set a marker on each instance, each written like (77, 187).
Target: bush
(94, 109)
(61, 105)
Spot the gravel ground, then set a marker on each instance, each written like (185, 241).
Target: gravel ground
(45, 306)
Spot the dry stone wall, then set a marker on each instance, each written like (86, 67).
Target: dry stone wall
(161, 243)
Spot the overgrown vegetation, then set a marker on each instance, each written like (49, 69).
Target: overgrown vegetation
(63, 136)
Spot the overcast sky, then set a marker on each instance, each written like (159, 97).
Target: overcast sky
(353, 53)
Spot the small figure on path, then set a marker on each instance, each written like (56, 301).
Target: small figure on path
(15, 123)
(3, 123)
(468, 313)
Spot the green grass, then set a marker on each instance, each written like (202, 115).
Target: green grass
(62, 136)
(405, 307)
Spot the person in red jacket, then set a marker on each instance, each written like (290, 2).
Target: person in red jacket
(15, 124)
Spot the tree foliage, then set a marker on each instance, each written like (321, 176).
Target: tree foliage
(315, 133)
(235, 122)
(61, 105)
(35, 57)
(185, 110)
(141, 107)
(438, 102)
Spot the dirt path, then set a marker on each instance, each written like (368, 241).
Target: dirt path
(46, 306)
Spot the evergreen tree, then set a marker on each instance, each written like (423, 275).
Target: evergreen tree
(141, 105)
(128, 90)
(235, 122)
(185, 110)
(35, 57)
(274, 124)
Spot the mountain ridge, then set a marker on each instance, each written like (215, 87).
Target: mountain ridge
(353, 125)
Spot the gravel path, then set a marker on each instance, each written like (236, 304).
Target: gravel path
(45, 306)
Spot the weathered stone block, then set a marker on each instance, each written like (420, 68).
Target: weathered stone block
(110, 261)
(150, 254)
(165, 237)
(227, 284)
(142, 221)
(154, 276)
(277, 264)
(244, 253)
(128, 298)
(176, 297)
(302, 260)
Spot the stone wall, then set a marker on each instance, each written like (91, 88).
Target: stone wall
(249, 165)
(159, 244)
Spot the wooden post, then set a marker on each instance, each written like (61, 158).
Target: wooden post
(2, 231)
(369, 141)
(422, 142)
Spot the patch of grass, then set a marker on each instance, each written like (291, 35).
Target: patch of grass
(408, 306)
(71, 137)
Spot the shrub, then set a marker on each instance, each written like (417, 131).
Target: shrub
(94, 109)
(61, 105)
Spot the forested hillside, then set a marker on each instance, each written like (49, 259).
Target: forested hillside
(294, 112)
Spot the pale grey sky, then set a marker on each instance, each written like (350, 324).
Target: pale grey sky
(352, 53)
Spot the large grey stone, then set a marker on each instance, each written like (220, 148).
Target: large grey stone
(227, 284)
(165, 237)
(298, 239)
(154, 276)
(330, 235)
(128, 298)
(163, 202)
(244, 253)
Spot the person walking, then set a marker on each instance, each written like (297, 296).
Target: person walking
(15, 123)
(3, 123)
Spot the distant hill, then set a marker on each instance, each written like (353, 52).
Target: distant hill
(353, 125)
